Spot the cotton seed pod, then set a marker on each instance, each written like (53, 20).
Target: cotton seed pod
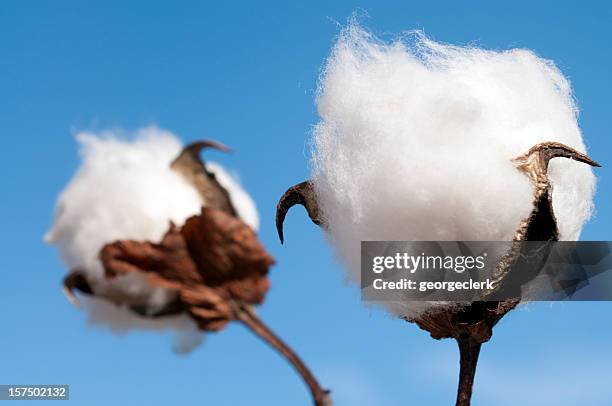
(423, 141)
(472, 325)
(132, 191)
(212, 260)
(206, 266)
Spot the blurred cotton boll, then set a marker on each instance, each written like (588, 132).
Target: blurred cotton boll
(126, 190)
(416, 139)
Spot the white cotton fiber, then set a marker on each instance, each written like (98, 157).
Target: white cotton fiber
(416, 138)
(103, 313)
(127, 190)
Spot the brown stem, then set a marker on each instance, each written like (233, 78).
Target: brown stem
(256, 325)
(469, 349)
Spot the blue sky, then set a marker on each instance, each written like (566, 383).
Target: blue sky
(245, 74)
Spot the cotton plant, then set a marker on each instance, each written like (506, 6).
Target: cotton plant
(423, 141)
(156, 238)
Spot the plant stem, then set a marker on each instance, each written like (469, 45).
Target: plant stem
(247, 316)
(469, 349)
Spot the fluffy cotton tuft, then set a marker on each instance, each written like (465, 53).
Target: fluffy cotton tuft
(416, 137)
(126, 190)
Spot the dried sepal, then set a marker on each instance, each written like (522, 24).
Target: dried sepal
(224, 248)
(76, 280)
(210, 307)
(166, 264)
(194, 170)
(541, 225)
(213, 260)
(303, 194)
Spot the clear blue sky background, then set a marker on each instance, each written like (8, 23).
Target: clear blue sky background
(245, 74)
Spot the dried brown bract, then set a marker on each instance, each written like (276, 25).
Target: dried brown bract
(212, 261)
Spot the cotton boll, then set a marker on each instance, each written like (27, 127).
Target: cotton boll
(416, 139)
(126, 190)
